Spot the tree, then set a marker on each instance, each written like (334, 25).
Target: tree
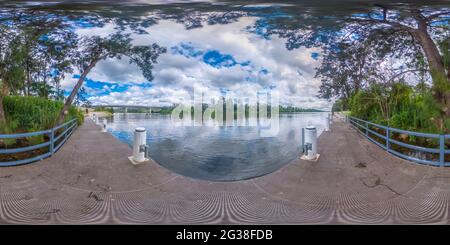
(95, 49)
(414, 22)
(345, 70)
(417, 38)
(34, 50)
(81, 97)
(49, 44)
(11, 56)
(417, 30)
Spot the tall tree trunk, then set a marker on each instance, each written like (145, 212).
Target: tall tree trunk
(74, 92)
(438, 70)
(434, 58)
(432, 54)
(4, 91)
(28, 78)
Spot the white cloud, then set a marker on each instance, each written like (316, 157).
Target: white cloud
(291, 72)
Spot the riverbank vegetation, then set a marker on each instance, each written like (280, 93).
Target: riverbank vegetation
(392, 73)
(37, 52)
(31, 114)
(246, 110)
(132, 110)
(106, 111)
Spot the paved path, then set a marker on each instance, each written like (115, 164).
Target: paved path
(91, 181)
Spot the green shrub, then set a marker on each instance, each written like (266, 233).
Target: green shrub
(35, 113)
(8, 128)
(399, 106)
(34, 140)
(75, 113)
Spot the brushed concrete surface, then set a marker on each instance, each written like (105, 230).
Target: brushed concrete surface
(90, 180)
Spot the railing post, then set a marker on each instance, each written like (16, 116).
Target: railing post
(52, 138)
(75, 123)
(441, 149)
(367, 128)
(387, 138)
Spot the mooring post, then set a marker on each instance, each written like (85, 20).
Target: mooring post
(311, 142)
(140, 149)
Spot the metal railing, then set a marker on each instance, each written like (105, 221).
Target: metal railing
(369, 129)
(56, 139)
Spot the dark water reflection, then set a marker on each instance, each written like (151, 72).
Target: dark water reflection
(217, 153)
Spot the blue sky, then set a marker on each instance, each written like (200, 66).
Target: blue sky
(213, 59)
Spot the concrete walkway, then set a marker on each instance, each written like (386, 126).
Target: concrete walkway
(90, 180)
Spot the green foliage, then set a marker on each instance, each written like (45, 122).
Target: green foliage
(8, 128)
(35, 52)
(166, 110)
(75, 113)
(104, 109)
(117, 45)
(398, 105)
(291, 109)
(340, 105)
(27, 113)
(444, 46)
(34, 140)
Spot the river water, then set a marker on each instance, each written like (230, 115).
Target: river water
(217, 153)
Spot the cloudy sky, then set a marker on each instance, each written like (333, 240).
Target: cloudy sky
(215, 59)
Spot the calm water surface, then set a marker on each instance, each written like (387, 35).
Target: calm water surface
(217, 153)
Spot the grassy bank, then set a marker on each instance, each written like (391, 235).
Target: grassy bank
(30, 114)
(401, 106)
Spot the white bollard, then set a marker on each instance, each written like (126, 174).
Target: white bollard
(311, 138)
(104, 125)
(140, 137)
(327, 123)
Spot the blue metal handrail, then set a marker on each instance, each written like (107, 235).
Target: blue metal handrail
(69, 127)
(364, 128)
